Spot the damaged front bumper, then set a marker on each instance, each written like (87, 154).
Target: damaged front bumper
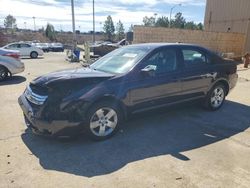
(57, 128)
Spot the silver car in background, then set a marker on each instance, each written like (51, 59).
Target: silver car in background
(10, 63)
(25, 49)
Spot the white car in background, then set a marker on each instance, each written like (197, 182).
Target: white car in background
(25, 49)
(43, 46)
(10, 63)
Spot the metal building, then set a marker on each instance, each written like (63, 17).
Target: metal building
(229, 16)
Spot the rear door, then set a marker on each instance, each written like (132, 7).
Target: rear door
(197, 72)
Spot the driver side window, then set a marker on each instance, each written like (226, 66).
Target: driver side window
(165, 61)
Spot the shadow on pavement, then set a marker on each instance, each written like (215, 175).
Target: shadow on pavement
(13, 80)
(153, 134)
(41, 57)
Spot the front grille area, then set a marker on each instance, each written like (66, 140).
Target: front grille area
(35, 98)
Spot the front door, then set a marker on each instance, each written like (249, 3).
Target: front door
(157, 87)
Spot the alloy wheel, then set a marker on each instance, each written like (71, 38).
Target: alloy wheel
(103, 122)
(217, 97)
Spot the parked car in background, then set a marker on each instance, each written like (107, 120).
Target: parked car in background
(106, 47)
(44, 46)
(126, 81)
(56, 47)
(11, 53)
(121, 43)
(10, 63)
(25, 49)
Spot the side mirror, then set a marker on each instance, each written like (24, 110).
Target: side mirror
(149, 70)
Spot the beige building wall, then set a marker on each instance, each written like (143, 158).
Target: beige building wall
(217, 41)
(229, 16)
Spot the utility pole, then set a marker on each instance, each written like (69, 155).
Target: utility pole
(171, 14)
(34, 18)
(155, 14)
(73, 24)
(93, 21)
(74, 30)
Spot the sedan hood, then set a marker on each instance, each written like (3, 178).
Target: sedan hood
(70, 74)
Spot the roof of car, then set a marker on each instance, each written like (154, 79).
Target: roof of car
(18, 43)
(153, 46)
(157, 45)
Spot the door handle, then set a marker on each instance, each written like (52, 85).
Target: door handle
(211, 74)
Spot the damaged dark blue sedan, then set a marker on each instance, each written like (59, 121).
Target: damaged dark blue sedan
(126, 81)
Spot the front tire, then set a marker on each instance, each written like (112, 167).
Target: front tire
(104, 120)
(215, 97)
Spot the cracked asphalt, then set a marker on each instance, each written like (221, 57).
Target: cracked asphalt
(180, 146)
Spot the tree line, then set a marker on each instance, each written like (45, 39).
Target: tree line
(178, 22)
(117, 32)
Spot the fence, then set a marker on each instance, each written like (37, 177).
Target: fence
(217, 41)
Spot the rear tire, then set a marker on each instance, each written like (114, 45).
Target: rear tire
(3, 73)
(104, 120)
(215, 97)
(33, 55)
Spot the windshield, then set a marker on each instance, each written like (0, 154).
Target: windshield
(121, 60)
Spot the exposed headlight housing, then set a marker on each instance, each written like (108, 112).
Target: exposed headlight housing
(34, 98)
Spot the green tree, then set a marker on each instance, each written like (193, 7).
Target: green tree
(193, 26)
(200, 26)
(190, 25)
(50, 32)
(148, 21)
(162, 22)
(120, 31)
(109, 28)
(179, 21)
(10, 23)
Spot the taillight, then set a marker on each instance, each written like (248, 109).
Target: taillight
(14, 55)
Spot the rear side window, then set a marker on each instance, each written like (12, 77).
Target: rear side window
(25, 45)
(193, 57)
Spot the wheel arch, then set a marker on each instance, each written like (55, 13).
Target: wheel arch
(113, 100)
(6, 69)
(224, 82)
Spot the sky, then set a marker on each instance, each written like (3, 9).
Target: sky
(58, 12)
